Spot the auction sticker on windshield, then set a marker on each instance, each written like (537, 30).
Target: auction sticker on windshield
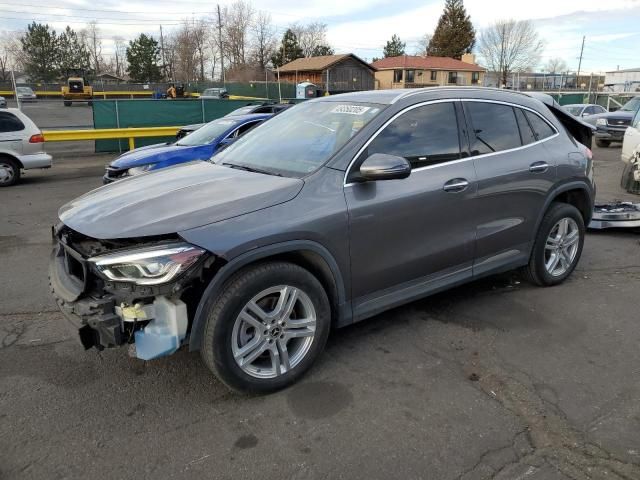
(351, 109)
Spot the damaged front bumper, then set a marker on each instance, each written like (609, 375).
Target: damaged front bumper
(616, 215)
(105, 313)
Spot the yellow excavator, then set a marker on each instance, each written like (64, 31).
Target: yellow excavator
(77, 89)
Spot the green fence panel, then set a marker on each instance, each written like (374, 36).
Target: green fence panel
(569, 98)
(154, 113)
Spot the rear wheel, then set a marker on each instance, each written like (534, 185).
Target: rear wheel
(558, 245)
(9, 171)
(602, 143)
(67, 103)
(266, 328)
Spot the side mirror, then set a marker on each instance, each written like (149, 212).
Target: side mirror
(381, 166)
(226, 142)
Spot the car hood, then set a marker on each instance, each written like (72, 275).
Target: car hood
(622, 115)
(151, 154)
(174, 199)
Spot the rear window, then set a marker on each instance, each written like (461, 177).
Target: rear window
(10, 123)
(494, 127)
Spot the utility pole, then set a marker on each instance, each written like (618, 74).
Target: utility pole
(580, 61)
(164, 63)
(220, 44)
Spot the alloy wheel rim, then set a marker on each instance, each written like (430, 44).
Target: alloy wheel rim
(561, 247)
(273, 332)
(6, 173)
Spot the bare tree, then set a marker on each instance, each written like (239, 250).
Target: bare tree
(423, 44)
(90, 36)
(264, 39)
(9, 55)
(186, 57)
(510, 46)
(200, 35)
(310, 36)
(120, 56)
(556, 65)
(238, 19)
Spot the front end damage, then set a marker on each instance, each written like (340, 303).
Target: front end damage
(136, 291)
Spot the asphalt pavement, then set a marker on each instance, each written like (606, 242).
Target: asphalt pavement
(495, 379)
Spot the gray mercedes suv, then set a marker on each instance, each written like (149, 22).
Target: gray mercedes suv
(334, 211)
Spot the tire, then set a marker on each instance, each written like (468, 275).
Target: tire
(90, 103)
(542, 270)
(602, 143)
(12, 169)
(228, 334)
(67, 103)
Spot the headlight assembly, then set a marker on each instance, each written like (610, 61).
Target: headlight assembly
(602, 122)
(148, 266)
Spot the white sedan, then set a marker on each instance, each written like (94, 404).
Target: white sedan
(21, 146)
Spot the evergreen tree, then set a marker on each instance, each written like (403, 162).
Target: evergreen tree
(143, 55)
(74, 56)
(288, 51)
(41, 52)
(454, 34)
(394, 47)
(322, 50)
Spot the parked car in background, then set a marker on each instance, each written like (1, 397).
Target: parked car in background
(274, 108)
(266, 107)
(584, 110)
(21, 146)
(25, 94)
(3, 102)
(631, 139)
(200, 145)
(214, 93)
(612, 125)
(328, 214)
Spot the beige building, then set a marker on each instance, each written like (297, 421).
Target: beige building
(414, 71)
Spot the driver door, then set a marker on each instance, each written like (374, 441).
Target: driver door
(411, 236)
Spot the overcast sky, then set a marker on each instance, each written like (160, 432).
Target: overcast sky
(612, 27)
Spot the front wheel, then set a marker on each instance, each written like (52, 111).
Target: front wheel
(558, 245)
(266, 328)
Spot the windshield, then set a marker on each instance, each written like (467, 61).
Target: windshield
(24, 90)
(573, 109)
(211, 91)
(207, 133)
(632, 105)
(300, 139)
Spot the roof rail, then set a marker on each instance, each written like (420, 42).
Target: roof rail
(457, 89)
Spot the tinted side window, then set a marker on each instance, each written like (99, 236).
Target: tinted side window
(10, 123)
(526, 133)
(424, 136)
(541, 129)
(494, 126)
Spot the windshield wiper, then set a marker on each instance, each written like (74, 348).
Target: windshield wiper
(250, 169)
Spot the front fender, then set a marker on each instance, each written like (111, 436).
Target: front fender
(209, 296)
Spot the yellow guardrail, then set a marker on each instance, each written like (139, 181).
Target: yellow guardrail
(109, 134)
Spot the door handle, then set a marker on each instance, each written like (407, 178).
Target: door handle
(538, 167)
(456, 185)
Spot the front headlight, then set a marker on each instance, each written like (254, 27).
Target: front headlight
(601, 122)
(138, 170)
(148, 266)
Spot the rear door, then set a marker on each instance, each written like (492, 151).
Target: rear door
(515, 172)
(12, 132)
(408, 234)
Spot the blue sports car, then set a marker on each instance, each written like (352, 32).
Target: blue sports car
(199, 145)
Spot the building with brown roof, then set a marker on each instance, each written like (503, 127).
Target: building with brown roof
(331, 73)
(414, 71)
